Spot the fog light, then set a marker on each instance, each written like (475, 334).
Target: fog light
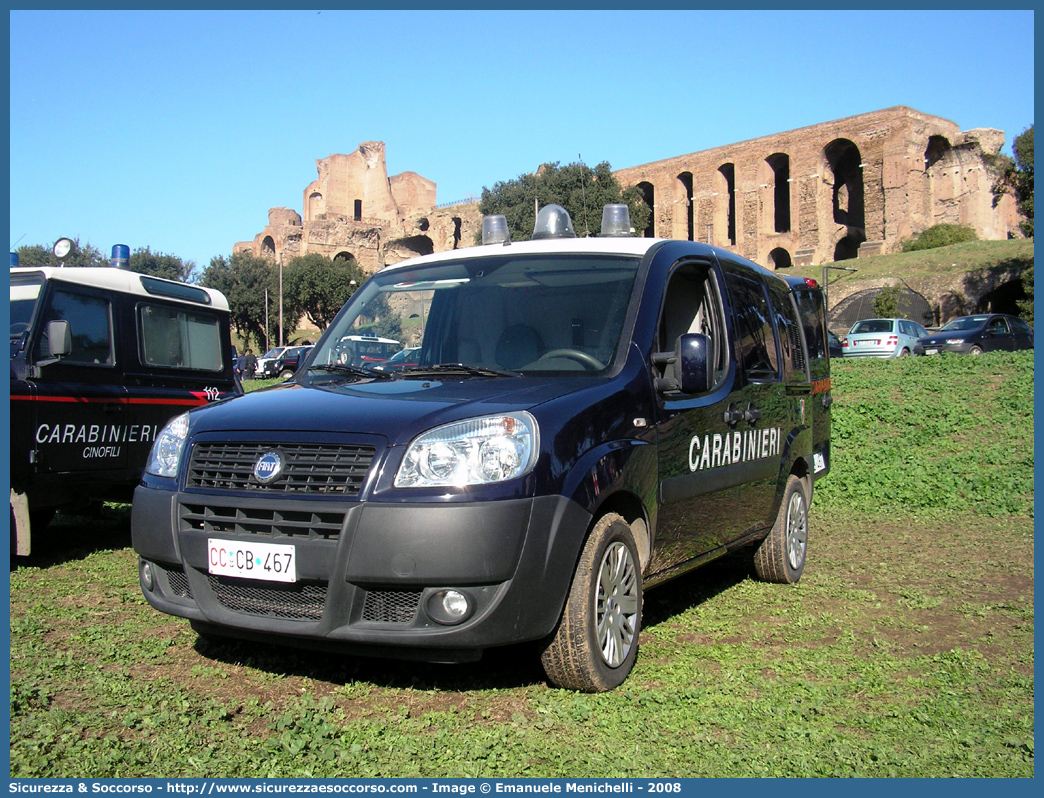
(449, 607)
(146, 576)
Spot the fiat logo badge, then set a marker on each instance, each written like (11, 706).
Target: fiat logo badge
(268, 467)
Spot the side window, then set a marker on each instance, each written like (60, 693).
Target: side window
(174, 338)
(692, 304)
(788, 331)
(999, 326)
(757, 341)
(906, 328)
(90, 321)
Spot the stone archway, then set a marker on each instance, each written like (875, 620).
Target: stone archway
(683, 207)
(725, 207)
(649, 195)
(779, 258)
(268, 248)
(845, 164)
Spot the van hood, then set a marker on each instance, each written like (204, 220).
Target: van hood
(398, 410)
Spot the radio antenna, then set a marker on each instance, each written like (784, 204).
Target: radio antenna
(15, 244)
(583, 195)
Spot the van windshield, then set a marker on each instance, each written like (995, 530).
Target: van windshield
(25, 290)
(522, 314)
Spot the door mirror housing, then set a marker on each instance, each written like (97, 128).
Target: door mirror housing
(689, 368)
(59, 338)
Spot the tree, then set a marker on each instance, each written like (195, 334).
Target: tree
(320, 286)
(157, 264)
(42, 255)
(579, 189)
(243, 280)
(1017, 179)
(1026, 305)
(886, 303)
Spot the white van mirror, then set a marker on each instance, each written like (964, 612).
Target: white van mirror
(59, 337)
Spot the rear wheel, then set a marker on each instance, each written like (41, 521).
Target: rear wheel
(781, 556)
(595, 644)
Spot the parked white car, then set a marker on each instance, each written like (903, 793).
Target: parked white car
(882, 338)
(269, 357)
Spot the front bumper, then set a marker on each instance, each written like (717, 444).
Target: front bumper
(369, 575)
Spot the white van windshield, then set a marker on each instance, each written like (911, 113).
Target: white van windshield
(526, 314)
(24, 293)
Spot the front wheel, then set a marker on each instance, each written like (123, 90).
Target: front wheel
(976, 350)
(781, 556)
(595, 644)
(286, 374)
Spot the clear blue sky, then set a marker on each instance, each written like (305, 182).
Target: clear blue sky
(179, 130)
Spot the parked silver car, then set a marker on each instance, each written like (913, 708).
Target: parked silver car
(882, 338)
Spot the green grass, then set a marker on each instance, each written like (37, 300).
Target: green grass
(905, 650)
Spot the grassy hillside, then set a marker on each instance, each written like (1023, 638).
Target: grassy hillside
(955, 259)
(907, 648)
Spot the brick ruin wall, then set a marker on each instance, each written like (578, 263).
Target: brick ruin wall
(837, 190)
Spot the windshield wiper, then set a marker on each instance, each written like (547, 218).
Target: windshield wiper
(455, 370)
(343, 368)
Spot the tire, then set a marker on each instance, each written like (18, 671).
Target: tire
(975, 350)
(904, 353)
(286, 374)
(595, 644)
(781, 556)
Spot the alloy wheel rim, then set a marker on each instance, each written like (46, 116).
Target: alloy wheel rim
(616, 604)
(797, 530)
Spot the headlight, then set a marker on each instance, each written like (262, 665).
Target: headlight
(166, 451)
(478, 451)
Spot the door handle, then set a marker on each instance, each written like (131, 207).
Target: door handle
(751, 414)
(733, 416)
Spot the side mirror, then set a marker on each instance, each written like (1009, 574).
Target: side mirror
(694, 365)
(689, 368)
(59, 337)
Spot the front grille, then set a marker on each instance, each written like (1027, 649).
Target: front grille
(391, 606)
(296, 602)
(264, 522)
(315, 468)
(179, 584)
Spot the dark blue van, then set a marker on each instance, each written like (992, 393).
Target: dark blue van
(587, 419)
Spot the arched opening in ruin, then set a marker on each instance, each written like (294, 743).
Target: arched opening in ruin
(909, 305)
(423, 225)
(358, 210)
(344, 256)
(1002, 299)
(683, 207)
(456, 231)
(774, 184)
(315, 205)
(410, 247)
(268, 249)
(649, 195)
(725, 206)
(779, 258)
(847, 248)
(942, 177)
(845, 163)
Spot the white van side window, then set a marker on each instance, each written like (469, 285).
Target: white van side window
(181, 339)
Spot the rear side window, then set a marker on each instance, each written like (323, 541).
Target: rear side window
(788, 331)
(90, 321)
(813, 322)
(179, 339)
(757, 341)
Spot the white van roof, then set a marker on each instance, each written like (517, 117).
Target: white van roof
(129, 283)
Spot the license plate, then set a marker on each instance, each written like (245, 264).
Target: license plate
(270, 562)
(931, 351)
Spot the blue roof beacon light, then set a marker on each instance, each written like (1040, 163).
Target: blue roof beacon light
(553, 222)
(14, 260)
(495, 230)
(120, 258)
(616, 220)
